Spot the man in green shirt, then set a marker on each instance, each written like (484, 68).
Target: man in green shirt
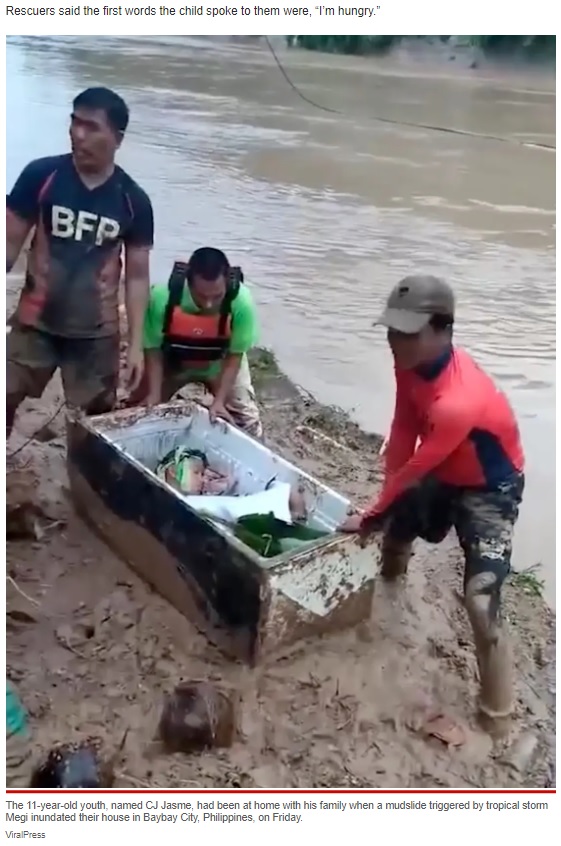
(199, 328)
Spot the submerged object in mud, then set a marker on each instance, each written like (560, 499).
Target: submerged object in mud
(25, 515)
(73, 765)
(196, 716)
(249, 594)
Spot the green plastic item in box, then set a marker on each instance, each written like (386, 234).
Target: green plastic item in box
(268, 536)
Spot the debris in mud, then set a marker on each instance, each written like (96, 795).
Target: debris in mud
(196, 716)
(74, 765)
(20, 608)
(315, 434)
(46, 434)
(71, 637)
(20, 615)
(444, 728)
(522, 753)
(23, 522)
(26, 518)
(428, 720)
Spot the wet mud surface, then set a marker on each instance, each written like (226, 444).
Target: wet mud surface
(94, 651)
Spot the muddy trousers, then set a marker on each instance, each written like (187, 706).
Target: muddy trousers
(484, 522)
(89, 369)
(241, 402)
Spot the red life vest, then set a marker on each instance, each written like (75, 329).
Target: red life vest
(197, 339)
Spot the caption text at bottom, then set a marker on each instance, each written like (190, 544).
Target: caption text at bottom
(250, 810)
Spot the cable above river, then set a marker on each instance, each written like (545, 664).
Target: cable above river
(412, 124)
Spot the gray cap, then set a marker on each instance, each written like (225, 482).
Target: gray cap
(414, 300)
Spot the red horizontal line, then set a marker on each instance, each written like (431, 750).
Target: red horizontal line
(241, 792)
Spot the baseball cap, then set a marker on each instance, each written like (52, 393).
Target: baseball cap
(413, 302)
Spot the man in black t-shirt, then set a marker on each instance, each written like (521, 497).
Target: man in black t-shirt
(86, 214)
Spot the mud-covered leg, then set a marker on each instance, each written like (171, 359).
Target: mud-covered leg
(90, 373)
(485, 524)
(242, 403)
(424, 512)
(396, 555)
(31, 360)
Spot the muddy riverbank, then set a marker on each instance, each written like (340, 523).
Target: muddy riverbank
(95, 650)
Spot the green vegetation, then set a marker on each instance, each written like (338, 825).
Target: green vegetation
(531, 44)
(362, 45)
(348, 44)
(528, 581)
(263, 361)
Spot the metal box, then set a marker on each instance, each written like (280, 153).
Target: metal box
(247, 605)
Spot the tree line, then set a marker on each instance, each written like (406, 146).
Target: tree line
(362, 45)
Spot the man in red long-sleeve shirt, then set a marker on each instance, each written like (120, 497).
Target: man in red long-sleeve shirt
(453, 459)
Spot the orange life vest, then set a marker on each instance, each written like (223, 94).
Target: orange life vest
(197, 339)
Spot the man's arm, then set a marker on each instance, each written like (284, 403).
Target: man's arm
(137, 291)
(138, 243)
(155, 376)
(22, 206)
(153, 332)
(17, 231)
(404, 431)
(451, 422)
(228, 376)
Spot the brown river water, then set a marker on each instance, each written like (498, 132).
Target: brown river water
(326, 212)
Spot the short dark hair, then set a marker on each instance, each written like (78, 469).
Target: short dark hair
(209, 263)
(103, 99)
